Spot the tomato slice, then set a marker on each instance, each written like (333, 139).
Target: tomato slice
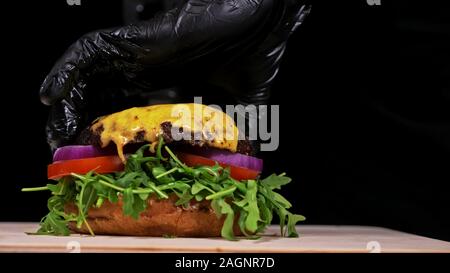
(238, 173)
(102, 164)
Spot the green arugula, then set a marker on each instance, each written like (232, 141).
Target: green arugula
(253, 201)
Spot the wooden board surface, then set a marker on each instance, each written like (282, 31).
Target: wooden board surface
(313, 239)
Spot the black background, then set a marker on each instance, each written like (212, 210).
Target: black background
(364, 97)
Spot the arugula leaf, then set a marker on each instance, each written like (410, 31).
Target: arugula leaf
(89, 197)
(282, 214)
(275, 181)
(175, 186)
(265, 212)
(292, 220)
(241, 222)
(200, 196)
(227, 229)
(251, 221)
(216, 207)
(241, 203)
(53, 224)
(128, 203)
(113, 196)
(211, 186)
(139, 205)
(221, 194)
(198, 187)
(281, 200)
(184, 198)
(128, 179)
(162, 175)
(144, 196)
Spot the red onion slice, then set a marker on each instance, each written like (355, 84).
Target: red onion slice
(234, 159)
(77, 152)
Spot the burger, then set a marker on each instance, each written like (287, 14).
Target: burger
(177, 170)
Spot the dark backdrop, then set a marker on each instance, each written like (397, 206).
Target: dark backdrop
(365, 109)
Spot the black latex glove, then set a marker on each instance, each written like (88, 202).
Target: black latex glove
(235, 45)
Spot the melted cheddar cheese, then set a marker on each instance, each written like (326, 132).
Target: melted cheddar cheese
(199, 122)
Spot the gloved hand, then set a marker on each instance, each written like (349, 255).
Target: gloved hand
(234, 45)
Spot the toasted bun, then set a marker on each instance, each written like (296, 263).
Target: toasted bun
(161, 218)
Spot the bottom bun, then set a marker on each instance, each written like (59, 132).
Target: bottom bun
(161, 218)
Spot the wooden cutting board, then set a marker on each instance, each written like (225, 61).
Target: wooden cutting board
(312, 239)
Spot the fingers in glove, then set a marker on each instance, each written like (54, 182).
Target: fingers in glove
(65, 118)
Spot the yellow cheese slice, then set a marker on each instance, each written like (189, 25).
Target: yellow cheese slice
(208, 125)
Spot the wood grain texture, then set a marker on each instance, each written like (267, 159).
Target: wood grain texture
(312, 239)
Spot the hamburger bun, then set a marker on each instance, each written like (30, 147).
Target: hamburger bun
(161, 218)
